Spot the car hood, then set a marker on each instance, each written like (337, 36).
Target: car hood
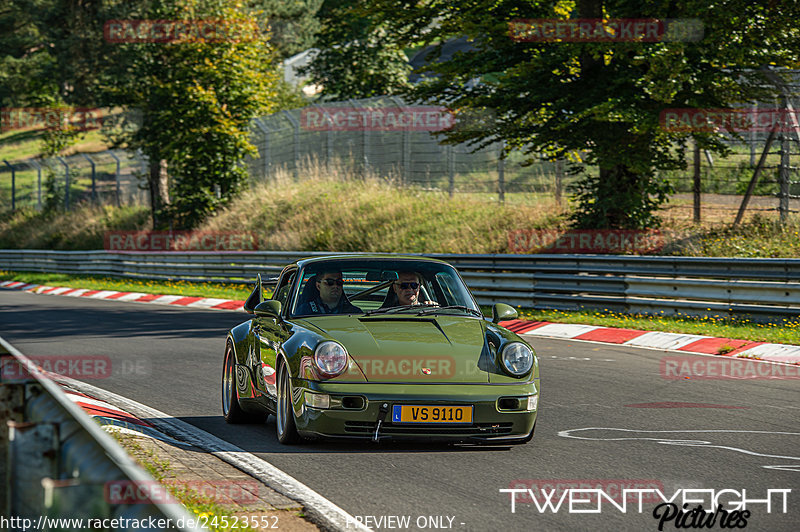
(439, 348)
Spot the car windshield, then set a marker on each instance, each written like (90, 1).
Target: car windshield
(376, 286)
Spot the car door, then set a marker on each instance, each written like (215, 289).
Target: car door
(268, 335)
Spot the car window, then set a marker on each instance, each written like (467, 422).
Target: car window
(367, 283)
(284, 285)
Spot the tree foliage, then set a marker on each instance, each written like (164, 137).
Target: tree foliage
(358, 57)
(292, 24)
(195, 99)
(599, 99)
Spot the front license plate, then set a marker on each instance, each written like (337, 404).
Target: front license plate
(431, 414)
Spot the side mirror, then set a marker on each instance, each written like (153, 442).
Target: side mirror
(255, 297)
(271, 308)
(501, 311)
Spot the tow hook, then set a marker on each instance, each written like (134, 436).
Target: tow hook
(381, 416)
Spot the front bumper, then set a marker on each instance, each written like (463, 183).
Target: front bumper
(489, 425)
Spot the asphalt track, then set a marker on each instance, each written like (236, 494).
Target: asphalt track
(740, 434)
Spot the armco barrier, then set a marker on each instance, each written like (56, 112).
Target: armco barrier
(760, 288)
(55, 460)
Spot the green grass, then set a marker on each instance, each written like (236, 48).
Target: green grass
(780, 330)
(159, 469)
(182, 288)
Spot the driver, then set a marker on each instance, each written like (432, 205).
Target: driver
(330, 298)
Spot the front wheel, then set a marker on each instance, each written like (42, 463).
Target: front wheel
(285, 425)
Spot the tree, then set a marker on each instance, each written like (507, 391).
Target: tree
(602, 99)
(195, 98)
(50, 49)
(292, 25)
(357, 57)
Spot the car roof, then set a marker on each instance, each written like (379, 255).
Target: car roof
(366, 256)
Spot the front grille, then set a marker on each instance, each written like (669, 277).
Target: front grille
(477, 429)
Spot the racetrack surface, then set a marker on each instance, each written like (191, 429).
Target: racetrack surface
(607, 417)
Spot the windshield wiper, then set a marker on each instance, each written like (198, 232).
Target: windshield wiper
(395, 309)
(450, 307)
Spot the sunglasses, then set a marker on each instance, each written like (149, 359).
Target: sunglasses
(406, 286)
(331, 282)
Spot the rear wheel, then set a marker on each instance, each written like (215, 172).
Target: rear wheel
(231, 410)
(284, 413)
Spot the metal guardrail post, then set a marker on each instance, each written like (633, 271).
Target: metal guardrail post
(66, 179)
(94, 178)
(116, 175)
(13, 186)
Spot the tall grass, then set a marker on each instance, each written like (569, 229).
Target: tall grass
(333, 210)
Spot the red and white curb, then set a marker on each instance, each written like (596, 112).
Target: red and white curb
(681, 343)
(112, 418)
(137, 297)
(677, 342)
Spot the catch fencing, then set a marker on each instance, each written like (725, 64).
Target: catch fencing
(760, 288)
(111, 177)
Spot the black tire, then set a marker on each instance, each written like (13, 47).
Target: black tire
(231, 409)
(285, 427)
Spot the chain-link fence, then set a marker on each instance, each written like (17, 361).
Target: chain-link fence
(290, 142)
(102, 178)
(410, 153)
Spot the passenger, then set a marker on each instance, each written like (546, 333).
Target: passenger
(406, 288)
(330, 297)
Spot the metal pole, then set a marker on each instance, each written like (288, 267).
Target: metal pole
(559, 180)
(265, 130)
(450, 169)
(753, 137)
(66, 186)
(751, 187)
(296, 139)
(405, 156)
(13, 186)
(364, 139)
(696, 185)
(783, 173)
(113, 155)
(501, 178)
(38, 183)
(328, 136)
(94, 176)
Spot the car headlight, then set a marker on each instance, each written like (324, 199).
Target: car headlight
(517, 359)
(331, 358)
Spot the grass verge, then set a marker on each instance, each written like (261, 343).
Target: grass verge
(216, 515)
(780, 330)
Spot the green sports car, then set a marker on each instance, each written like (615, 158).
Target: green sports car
(379, 347)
